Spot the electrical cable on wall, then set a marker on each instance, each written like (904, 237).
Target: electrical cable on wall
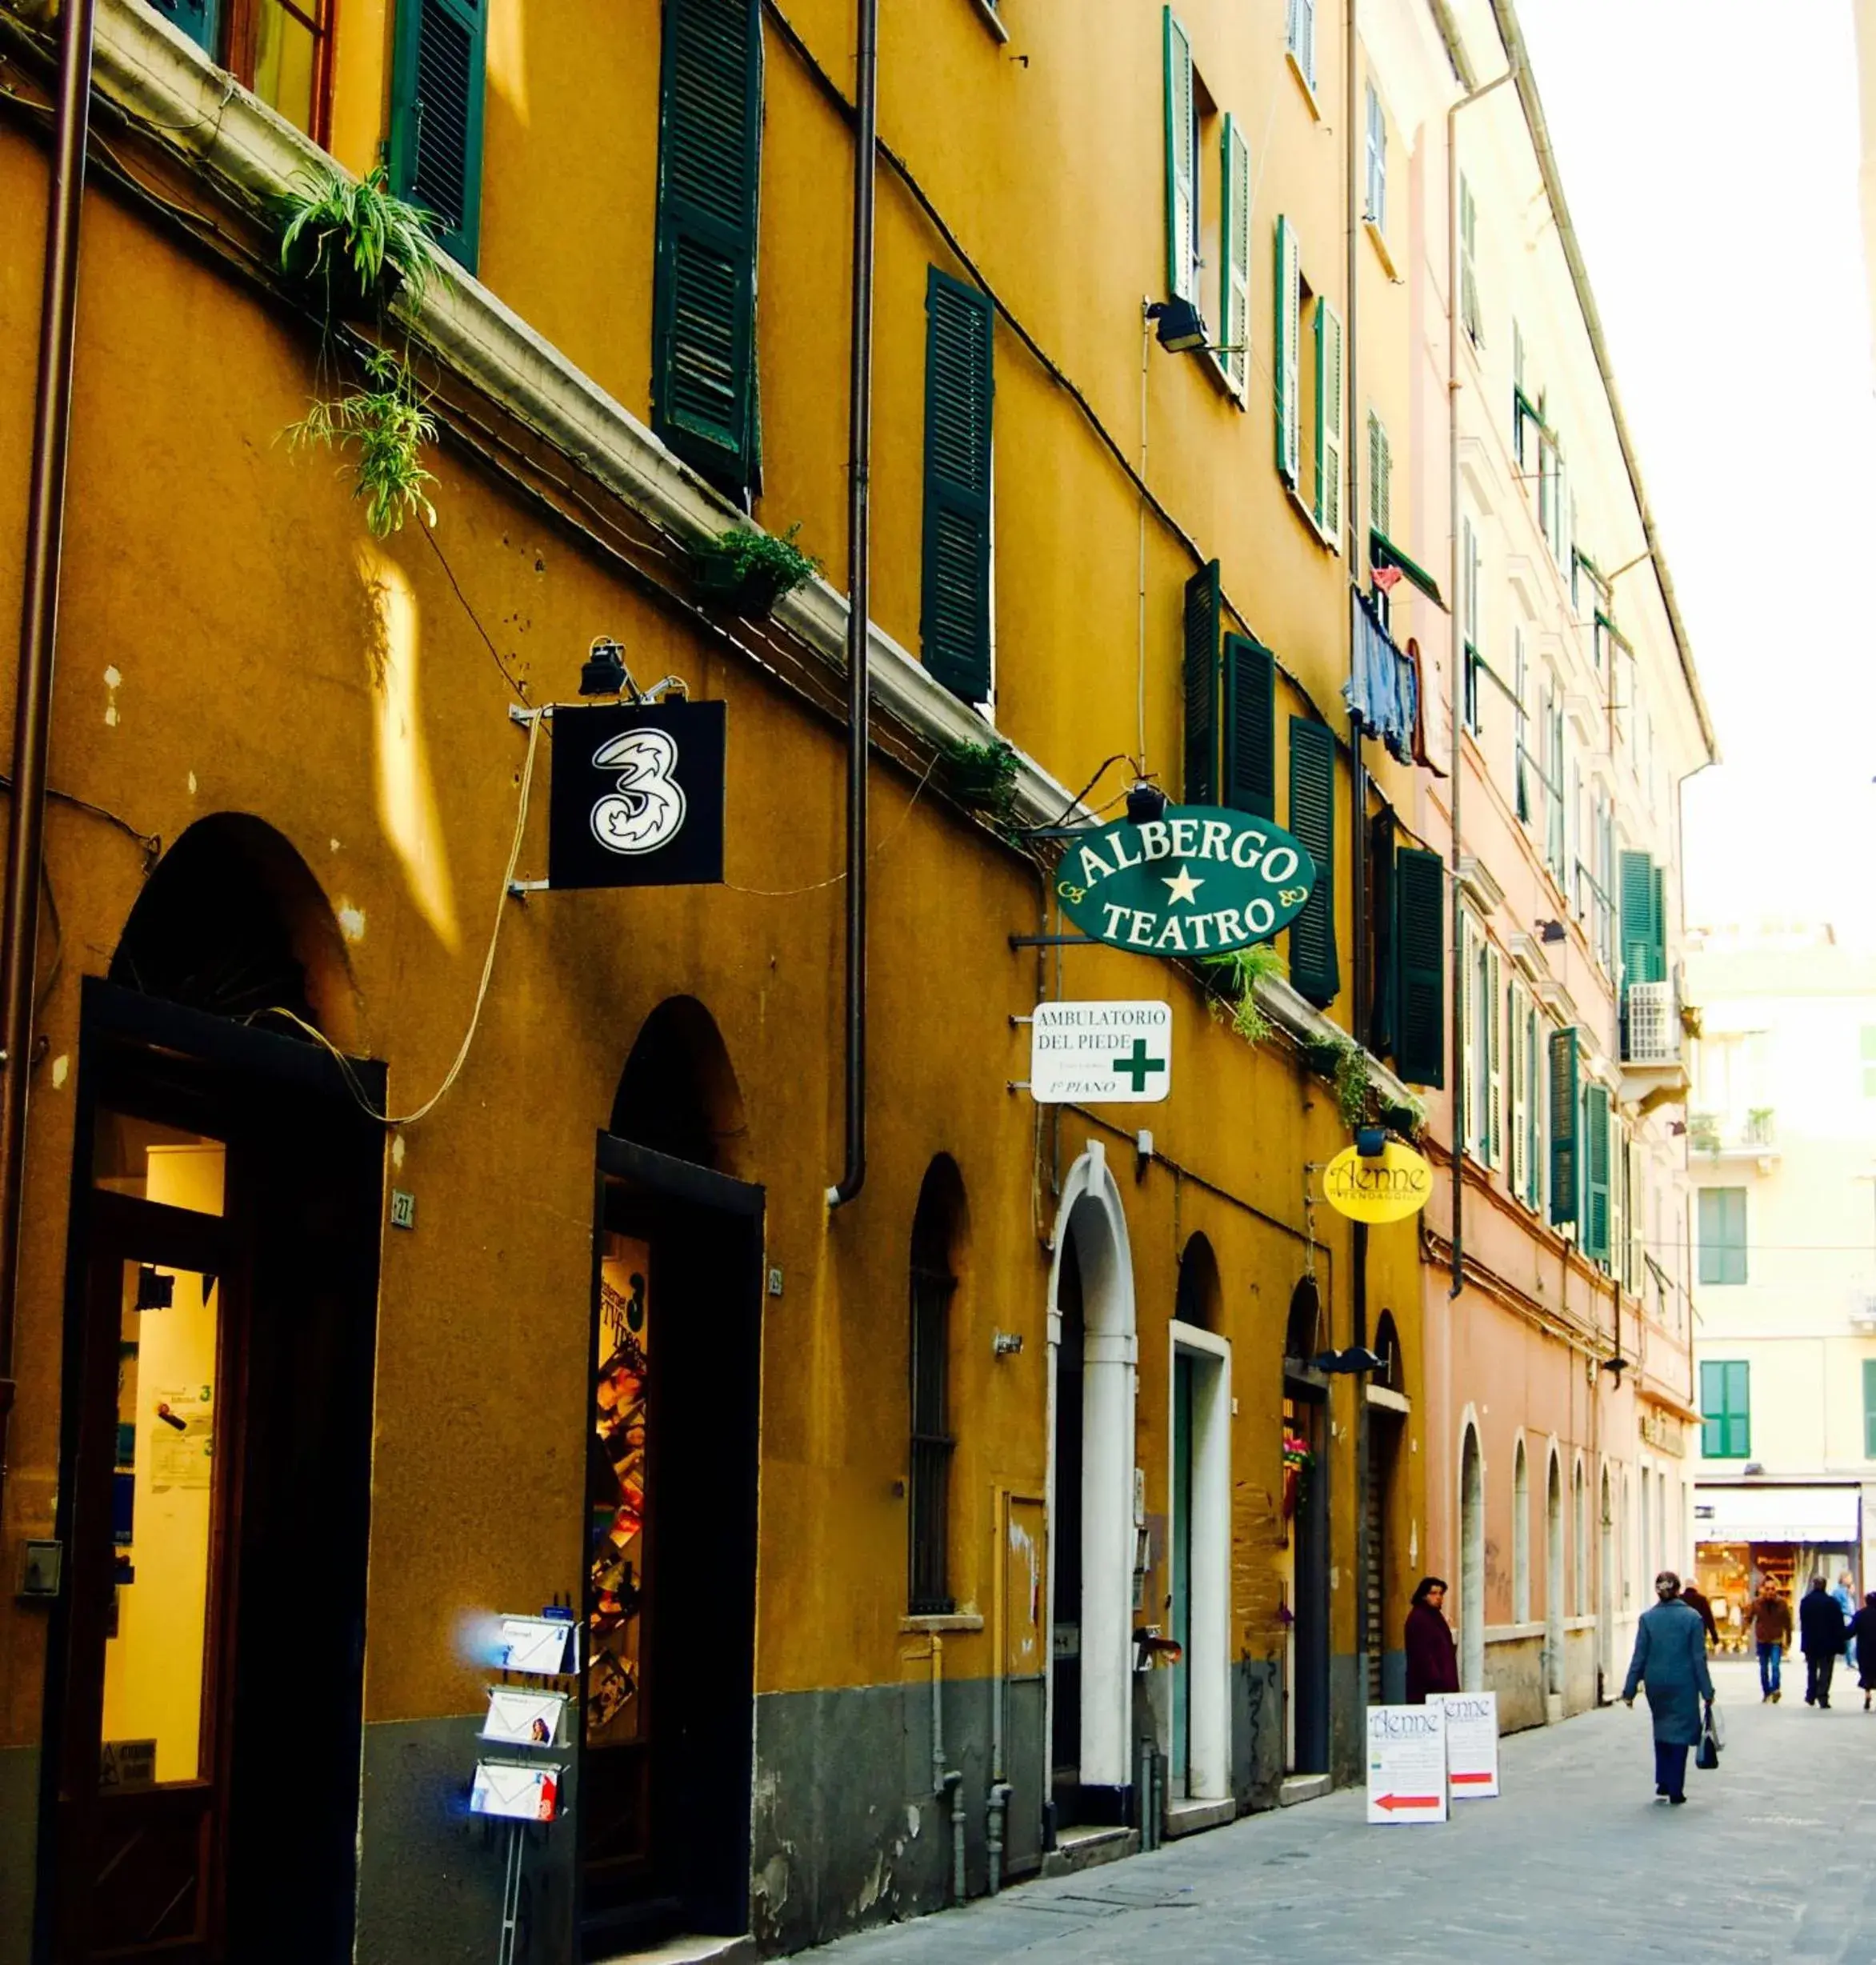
(535, 722)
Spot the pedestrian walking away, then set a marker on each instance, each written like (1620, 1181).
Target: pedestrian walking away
(1862, 1637)
(1698, 1601)
(1670, 1663)
(1433, 1660)
(1770, 1616)
(1820, 1631)
(1844, 1595)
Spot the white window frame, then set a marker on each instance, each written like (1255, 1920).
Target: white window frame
(1300, 39)
(1376, 213)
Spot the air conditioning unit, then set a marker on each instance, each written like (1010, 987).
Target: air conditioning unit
(1862, 1309)
(1651, 1024)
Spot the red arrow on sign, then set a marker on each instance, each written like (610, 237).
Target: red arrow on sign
(1392, 1801)
(1466, 1780)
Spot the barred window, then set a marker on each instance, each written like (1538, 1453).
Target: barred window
(934, 1233)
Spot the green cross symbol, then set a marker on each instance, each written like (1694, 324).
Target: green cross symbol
(1134, 1069)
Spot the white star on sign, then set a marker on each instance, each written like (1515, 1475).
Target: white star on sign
(1184, 887)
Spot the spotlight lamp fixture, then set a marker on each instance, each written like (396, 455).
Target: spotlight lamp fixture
(1178, 325)
(1614, 1367)
(604, 672)
(1145, 802)
(1552, 931)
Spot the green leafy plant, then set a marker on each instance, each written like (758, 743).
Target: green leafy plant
(1703, 1132)
(751, 570)
(1354, 1088)
(356, 229)
(387, 423)
(1244, 969)
(982, 774)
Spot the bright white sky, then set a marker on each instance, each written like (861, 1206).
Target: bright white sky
(1709, 152)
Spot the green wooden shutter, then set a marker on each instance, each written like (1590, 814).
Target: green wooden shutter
(954, 620)
(1329, 424)
(1737, 1400)
(1420, 915)
(1287, 365)
(1595, 1159)
(703, 351)
(1659, 925)
(1713, 1410)
(436, 134)
(1566, 1128)
(1250, 727)
(1203, 613)
(1870, 1408)
(1494, 1053)
(1383, 930)
(199, 19)
(1638, 918)
(1313, 966)
(1235, 258)
(1182, 166)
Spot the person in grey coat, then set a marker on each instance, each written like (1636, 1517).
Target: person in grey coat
(1670, 1661)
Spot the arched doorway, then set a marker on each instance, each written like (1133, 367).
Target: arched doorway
(1305, 1581)
(1387, 1410)
(663, 1816)
(1553, 1640)
(1471, 1561)
(1094, 1540)
(1199, 1534)
(214, 1489)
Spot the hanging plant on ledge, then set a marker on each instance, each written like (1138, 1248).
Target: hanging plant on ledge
(1298, 1457)
(748, 571)
(354, 247)
(1242, 969)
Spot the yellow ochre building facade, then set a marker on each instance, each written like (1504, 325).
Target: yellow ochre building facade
(1057, 1487)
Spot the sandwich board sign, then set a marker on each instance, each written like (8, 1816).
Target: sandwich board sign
(1472, 1742)
(1406, 1763)
(1101, 1054)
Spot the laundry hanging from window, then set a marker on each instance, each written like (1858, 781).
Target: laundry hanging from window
(1383, 689)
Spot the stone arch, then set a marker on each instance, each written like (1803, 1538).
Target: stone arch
(1092, 1219)
(232, 922)
(1303, 1335)
(939, 1228)
(1200, 1298)
(1471, 1556)
(1554, 1674)
(1392, 1377)
(678, 1092)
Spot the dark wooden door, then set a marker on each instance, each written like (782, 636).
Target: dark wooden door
(143, 1767)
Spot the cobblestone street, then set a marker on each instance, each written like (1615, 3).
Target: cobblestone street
(1770, 1859)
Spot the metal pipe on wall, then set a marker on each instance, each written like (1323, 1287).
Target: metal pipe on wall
(859, 597)
(38, 643)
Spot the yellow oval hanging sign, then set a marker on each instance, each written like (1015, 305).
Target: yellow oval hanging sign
(1389, 1187)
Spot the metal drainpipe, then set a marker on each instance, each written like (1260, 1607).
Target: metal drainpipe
(39, 642)
(946, 1782)
(1354, 193)
(1460, 626)
(859, 596)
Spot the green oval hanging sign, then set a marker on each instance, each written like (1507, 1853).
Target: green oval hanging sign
(1198, 882)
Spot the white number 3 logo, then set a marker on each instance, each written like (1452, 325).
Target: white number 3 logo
(648, 807)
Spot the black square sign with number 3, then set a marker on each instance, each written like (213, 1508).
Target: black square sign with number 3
(638, 796)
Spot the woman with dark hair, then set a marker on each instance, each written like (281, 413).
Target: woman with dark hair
(1670, 1663)
(1432, 1662)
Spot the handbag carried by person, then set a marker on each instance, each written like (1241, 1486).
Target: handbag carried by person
(1712, 1737)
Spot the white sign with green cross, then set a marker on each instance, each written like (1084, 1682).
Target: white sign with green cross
(1100, 1053)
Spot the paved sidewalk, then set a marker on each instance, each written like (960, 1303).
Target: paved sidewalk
(1772, 1858)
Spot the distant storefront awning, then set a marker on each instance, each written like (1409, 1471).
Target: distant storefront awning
(1819, 1515)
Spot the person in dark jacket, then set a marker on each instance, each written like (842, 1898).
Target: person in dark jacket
(1432, 1662)
(1670, 1661)
(1862, 1635)
(1698, 1601)
(1820, 1635)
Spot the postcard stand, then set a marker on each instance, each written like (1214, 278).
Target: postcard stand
(527, 1721)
